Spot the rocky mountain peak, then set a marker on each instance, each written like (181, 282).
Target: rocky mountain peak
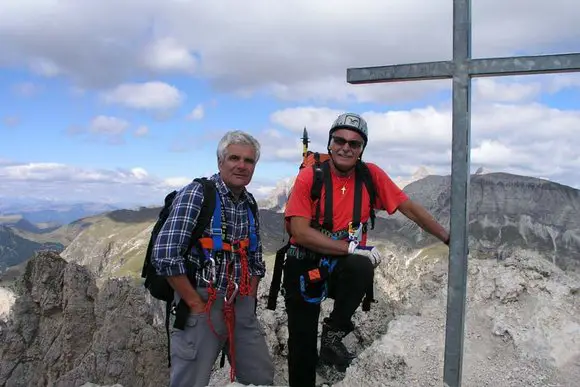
(522, 313)
(483, 171)
(64, 331)
(276, 200)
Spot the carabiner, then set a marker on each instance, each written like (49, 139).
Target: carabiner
(233, 295)
(211, 270)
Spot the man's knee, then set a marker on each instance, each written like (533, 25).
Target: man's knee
(358, 266)
(193, 353)
(264, 374)
(256, 366)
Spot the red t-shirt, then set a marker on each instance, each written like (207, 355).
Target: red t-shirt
(388, 197)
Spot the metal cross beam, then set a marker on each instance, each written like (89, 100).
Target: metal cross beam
(461, 69)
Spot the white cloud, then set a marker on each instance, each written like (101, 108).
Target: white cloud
(112, 129)
(524, 138)
(106, 125)
(197, 113)
(492, 89)
(57, 181)
(176, 182)
(26, 89)
(167, 54)
(45, 67)
(145, 96)
(140, 173)
(141, 131)
(98, 43)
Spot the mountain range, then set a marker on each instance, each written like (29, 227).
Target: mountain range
(522, 307)
(506, 211)
(54, 213)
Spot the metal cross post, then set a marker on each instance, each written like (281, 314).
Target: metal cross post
(461, 69)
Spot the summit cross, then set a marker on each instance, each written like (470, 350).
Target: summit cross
(461, 69)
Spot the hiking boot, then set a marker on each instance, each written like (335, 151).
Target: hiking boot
(332, 349)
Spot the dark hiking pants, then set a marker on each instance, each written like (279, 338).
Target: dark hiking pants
(348, 283)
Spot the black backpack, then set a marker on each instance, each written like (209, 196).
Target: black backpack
(158, 286)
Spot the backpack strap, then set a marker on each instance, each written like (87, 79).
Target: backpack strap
(253, 222)
(328, 206)
(316, 189)
(207, 208)
(357, 209)
(365, 173)
(252, 231)
(218, 221)
(216, 224)
(322, 177)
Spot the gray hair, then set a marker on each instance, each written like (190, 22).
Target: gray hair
(236, 137)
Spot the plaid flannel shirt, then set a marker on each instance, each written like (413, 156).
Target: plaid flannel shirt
(175, 235)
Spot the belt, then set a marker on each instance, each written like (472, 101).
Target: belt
(301, 253)
(342, 234)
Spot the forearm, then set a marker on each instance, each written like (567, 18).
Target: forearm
(180, 283)
(254, 283)
(424, 220)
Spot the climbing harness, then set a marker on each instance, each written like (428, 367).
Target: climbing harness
(215, 243)
(316, 269)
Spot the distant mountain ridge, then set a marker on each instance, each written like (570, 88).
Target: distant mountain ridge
(15, 249)
(276, 200)
(51, 212)
(507, 211)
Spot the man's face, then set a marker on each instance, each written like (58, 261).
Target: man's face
(237, 168)
(346, 147)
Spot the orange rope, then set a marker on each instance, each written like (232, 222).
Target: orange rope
(212, 295)
(229, 309)
(245, 286)
(230, 321)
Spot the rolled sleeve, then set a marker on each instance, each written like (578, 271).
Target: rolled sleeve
(169, 251)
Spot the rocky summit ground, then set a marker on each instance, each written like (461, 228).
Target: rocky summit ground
(522, 327)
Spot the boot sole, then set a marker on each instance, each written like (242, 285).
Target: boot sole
(339, 366)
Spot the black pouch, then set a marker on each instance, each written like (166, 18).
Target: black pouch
(313, 281)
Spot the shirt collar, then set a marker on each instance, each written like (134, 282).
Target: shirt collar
(224, 190)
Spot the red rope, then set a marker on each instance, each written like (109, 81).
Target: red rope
(230, 320)
(245, 286)
(229, 309)
(212, 295)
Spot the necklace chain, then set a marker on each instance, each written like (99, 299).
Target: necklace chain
(344, 182)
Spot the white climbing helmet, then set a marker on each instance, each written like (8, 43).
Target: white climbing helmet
(350, 121)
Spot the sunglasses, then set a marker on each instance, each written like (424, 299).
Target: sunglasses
(353, 144)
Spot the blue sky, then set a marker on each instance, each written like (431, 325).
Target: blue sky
(125, 107)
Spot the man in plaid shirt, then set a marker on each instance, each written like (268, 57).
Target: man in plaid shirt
(194, 349)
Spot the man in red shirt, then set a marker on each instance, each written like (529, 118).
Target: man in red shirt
(349, 264)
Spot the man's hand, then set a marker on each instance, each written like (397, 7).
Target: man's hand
(183, 287)
(254, 282)
(371, 252)
(197, 307)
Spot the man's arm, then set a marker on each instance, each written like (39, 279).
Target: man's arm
(415, 212)
(173, 240)
(314, 240)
